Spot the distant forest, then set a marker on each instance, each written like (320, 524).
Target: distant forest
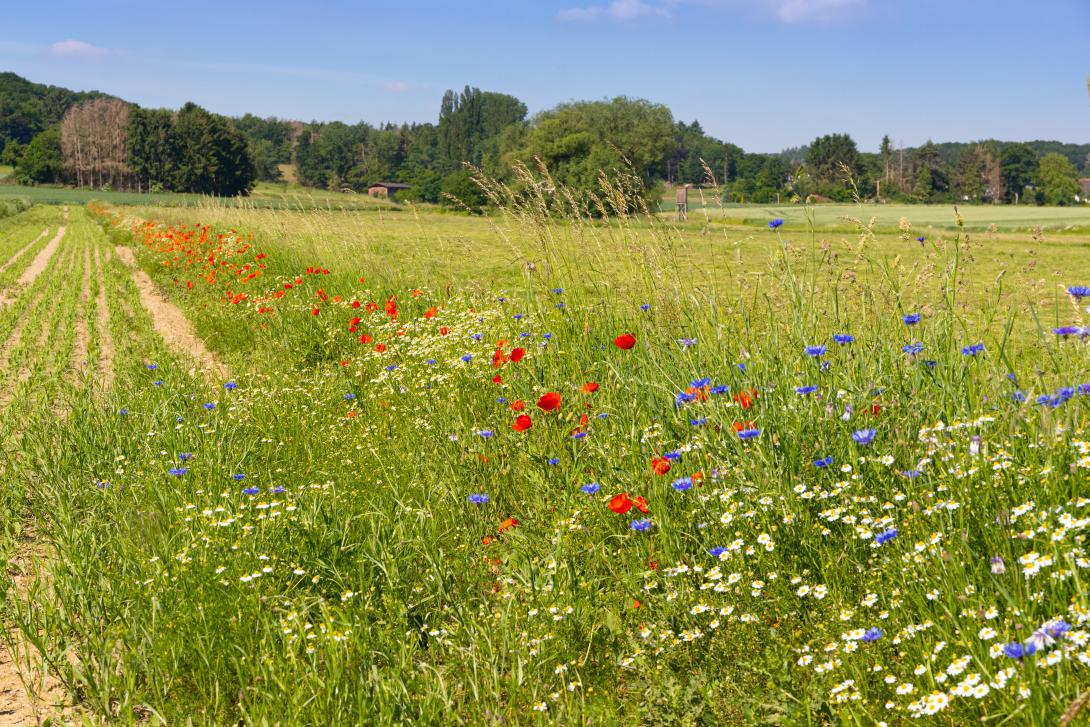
(52, 135)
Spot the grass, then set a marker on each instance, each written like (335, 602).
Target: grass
(298, 546)
(265, 195)
(929, 217)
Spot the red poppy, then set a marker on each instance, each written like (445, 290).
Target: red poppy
(497, 379)
(430, 312)
(366, 338)
(507, 524)
(624, 341)
(549, 401)
(641, 505)
(875, 410)
(517, 354)
(355, 304)
(661, 465)
(518, 405)
(443, 330)
(620, 504)
(590, 387)
(499, 358)
(391, 307)
(636, 603)
(522, 423)
(739, 426)
(745, 398)
(315, 312)
(380, 347)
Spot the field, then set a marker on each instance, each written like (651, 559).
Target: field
(286, 464)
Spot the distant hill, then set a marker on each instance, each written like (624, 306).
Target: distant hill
(28, 108)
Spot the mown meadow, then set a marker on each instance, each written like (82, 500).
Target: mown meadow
(544, 467)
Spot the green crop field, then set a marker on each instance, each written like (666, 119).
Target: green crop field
(301, 464)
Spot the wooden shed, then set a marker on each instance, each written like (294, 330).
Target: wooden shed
(385, 189)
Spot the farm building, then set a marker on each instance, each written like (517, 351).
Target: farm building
(385, 189)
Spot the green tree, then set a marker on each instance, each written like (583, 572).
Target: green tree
(42, 161)
(922, 189)
(214, 157)
(1017, 167)
(829, 160)
(467, 121)
(886, 153)
(461, 192)
(970, 174)
(1059, 180)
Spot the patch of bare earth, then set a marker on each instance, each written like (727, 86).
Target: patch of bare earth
(169, 322)
(102, 325)
(28, 696)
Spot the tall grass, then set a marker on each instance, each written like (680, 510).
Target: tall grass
(357, 583)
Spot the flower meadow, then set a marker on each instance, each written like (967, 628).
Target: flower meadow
(566, 502)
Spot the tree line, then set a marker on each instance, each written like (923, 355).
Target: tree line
(95, 140)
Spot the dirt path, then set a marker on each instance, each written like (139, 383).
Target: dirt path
(102, 325)
(39, 264)
(11, 260)
(169, 322)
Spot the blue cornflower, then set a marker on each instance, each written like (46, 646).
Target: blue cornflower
(921, 239)
(251, 490)
(682, 483)
(159, 382)
(1058, 629)
(1018, 396)
(501, 399)
(278, 490)
(804, 390)
(911, 474)
(430, 362)
(1079, 291)
(773, 224)
(843, 338)
(239, 477)
(885, 536)
(872, 634)
(230, 386)
(478, 498)
(391, 367)
(603, 415)
(823, 462)
(673, 456)
(210, 406)
(185, 456)
(911, 319)
(178, 471)
(349, 396)
(103, 485)
(863, 436)
(930, 363)
(749, 433)
(683, 397)
(553, 460)
(590, 488)
(645, 307)
(717, 390)
(122, 412)
(698, 422)
(579, 435)
(152, 366)
(641, 524)
(687, 342)
(815, 351)
(547, 336)
(717, 551)
(972, 350)
(485, 433)
(502, 300)
(517, 316)
(1066, 331)
(1017, 650)
(467, 357)
(476, 336)
(912, 348)
(1084, 389)
(741, 367)
(700, 383)
(524, 334)
(558, 291)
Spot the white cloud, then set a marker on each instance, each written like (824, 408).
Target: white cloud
(799, 11)
(618, 10)
(78, 49)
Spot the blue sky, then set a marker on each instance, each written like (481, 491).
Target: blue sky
(764, 74)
